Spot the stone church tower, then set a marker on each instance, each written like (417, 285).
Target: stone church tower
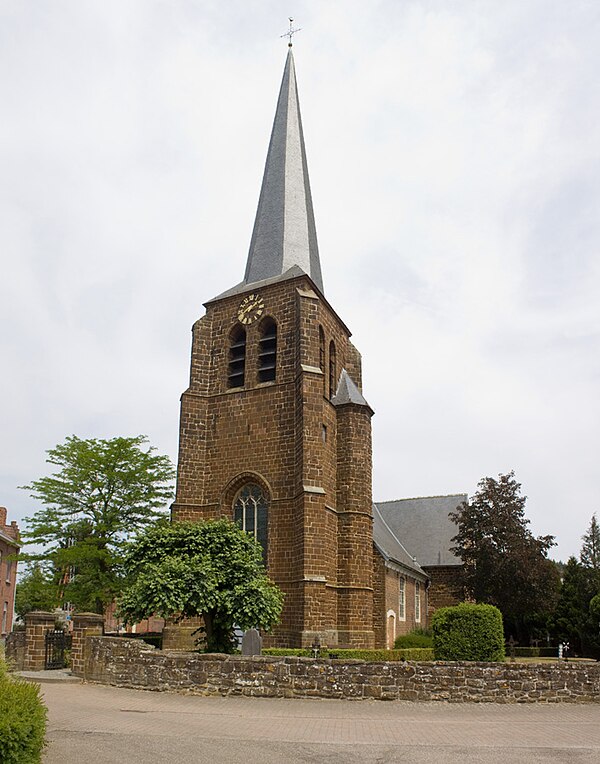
(275, 433)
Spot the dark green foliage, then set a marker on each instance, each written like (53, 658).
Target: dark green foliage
(35, 591)
(22, 720)
(590, 549)
(525, 652)
(407, 654)
(468, 633)
(534, 652)
(289, 651)
(211, 569)
(504, 564)
(573, 620)
(101, 492)
(569, 618)
(416, 638)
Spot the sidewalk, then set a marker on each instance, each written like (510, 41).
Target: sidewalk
(103, 724)
(50, 676)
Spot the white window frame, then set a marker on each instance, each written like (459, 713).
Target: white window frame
(417, 602)
(401, 598)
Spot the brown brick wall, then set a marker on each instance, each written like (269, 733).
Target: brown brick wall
(37, 623)
(284, 435)
(392, 605)
(8, 571)
(446, 586)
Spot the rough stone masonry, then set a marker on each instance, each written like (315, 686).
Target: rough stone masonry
(130, 663)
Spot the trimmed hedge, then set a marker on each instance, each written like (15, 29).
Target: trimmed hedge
(417, 638)
(468, 632)
(408, 654)
(534, 652)
(22, 720)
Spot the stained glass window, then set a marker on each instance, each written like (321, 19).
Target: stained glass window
(250, 510)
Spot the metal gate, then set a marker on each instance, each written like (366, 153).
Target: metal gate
(57, 641)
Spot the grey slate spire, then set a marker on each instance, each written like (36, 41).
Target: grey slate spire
(284, 233)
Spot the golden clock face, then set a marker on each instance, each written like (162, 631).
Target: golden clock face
(251, 308)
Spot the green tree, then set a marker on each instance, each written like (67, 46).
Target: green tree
(590, 553)
(101, 492)
(504, 563)
(210, 569)
(35, 591)
(568, 622)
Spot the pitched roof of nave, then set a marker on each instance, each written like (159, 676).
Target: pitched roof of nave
(424, 526)
(390, 546)
(284, 238)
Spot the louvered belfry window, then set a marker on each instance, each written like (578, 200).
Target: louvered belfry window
(267, 351)
(250, 510)
(237, 358)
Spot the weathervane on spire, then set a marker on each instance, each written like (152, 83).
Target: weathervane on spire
(291, 32)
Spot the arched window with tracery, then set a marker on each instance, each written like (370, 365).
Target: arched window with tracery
(237, 357)
(267, 351)
(250, 513)
(332, 369)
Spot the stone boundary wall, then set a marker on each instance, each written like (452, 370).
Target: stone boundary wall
(14, 649)
(130, 663)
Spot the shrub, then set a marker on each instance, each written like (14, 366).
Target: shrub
(22, 720)
(417, 638)
(407, 654)
(468, 632)
(549, 652)
(525, 652)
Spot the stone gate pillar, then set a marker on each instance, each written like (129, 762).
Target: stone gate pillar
(37, 623)
(84, 625)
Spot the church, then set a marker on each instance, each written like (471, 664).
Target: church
(275, 432)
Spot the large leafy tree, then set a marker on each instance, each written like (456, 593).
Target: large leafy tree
(211, 569)
(100, 493)
(504, 563)
(36, 590)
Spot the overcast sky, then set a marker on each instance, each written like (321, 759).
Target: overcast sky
(453, 150)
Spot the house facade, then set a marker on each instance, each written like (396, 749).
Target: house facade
(9, 547)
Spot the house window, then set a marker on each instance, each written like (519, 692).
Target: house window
(237, 357)
(4, 617)
(332, 375)
(417, 601)
(267, 351)
(8, 570)
(250, 510)
(402, 598)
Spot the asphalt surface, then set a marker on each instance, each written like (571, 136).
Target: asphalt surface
(102, 725)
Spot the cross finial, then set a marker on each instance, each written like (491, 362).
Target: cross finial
(291, 32)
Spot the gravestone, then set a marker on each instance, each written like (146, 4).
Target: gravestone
(251, 643)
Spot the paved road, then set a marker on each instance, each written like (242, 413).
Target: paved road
(103, 725)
